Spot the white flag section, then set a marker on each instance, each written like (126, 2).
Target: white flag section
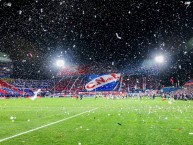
(101, 81)
(35, 94)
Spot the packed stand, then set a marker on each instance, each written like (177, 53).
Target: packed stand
(182, 94)
(67, 85)
(26, 87)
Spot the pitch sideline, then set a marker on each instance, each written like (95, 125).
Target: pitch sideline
(43, 126)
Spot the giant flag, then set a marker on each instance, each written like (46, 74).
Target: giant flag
(102, 81)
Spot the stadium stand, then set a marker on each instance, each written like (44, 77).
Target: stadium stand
(68, 85)
(169, 89)
(72, 80)
(20, 87)
(134, 76)
(9, 90)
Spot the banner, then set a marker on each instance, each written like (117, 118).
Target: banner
(102, 81)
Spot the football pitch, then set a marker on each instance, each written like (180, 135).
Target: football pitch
(67, 121)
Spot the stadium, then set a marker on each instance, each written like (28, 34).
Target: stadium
(74, 80)
(104, 79)
(96, 72)
(135, 88)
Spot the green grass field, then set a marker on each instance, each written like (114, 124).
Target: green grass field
(113, 122)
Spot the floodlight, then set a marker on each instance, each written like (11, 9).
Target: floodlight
(60, 63)
(159, 59)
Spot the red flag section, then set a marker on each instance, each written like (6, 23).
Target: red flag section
(4, 84)
(3, 92)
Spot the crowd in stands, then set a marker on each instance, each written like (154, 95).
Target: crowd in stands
(73, 85)
(36, 84)
(180, 94)
(23, 88)
(134, 82)
(135, 77)
(69, 85)
(7, 89)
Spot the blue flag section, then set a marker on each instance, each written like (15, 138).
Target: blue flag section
(106, 87)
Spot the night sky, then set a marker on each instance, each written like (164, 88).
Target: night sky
(36, 32)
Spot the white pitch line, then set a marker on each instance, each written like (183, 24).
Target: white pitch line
(43, 126)
(191, 133)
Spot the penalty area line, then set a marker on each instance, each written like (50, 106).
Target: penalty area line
(43, 126)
